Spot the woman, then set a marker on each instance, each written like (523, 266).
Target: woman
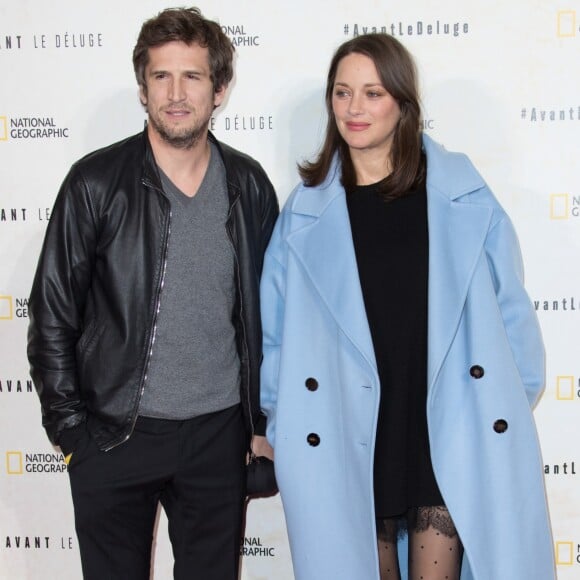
(402, 355)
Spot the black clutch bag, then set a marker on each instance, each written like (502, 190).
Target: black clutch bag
(260, 477)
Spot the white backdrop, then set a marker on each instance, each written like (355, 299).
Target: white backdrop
(499, 82)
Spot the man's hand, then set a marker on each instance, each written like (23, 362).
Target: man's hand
(261, 447)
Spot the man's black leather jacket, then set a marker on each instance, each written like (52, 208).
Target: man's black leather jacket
(97, 288)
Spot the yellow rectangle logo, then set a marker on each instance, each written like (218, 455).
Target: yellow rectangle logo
(559, 206)
(564, 388)
(566, 23)
(564, 553)
(14, 465)
(3, 128)
(6, 310)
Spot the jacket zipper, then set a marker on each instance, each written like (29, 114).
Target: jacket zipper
(154, 325)
(241, 314)
(158, 305)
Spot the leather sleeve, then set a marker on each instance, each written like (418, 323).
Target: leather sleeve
(270, 211)
(56, 305)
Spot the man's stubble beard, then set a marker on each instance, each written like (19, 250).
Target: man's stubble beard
(185, 139)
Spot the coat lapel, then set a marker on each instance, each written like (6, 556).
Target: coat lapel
(325, 249)
(457, 231)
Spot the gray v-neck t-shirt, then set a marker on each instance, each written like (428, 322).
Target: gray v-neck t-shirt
(194, 367)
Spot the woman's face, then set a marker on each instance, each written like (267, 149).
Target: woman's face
(366, 114)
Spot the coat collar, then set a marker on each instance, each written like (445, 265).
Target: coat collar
(451, 174)
(457, 229)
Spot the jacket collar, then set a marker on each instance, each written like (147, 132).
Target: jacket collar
(234, 190)
(151, 173)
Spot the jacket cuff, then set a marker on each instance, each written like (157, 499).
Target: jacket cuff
(260, 426)
(69, 438)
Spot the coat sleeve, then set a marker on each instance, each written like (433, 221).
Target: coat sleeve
(269, 211)
(56, 307)
(519, 317)
(272, 296)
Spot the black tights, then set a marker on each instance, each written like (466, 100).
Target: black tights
(435, 550)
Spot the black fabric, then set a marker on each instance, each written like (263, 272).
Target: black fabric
(434, 548)
(391, 244)
(260, 425)
(260, 477)
(69, 438)
(95, 294)
(194, 468)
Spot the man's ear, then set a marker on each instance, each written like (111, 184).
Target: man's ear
(143, 95)
(219, 95)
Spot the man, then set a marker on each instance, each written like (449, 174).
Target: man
(145, 338)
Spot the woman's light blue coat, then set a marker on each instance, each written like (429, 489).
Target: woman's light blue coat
(479, 313)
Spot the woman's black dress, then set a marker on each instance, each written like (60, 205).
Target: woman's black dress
(392, 251)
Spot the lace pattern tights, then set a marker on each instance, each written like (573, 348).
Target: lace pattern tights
(435, 550)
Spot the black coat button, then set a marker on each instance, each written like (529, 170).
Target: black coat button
(500, 426)
(313, 439)
(311, 384)
(476, 371)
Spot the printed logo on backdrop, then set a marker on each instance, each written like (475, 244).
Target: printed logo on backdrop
(24, 214)
(239, 36)
(30, 462)
(6, 308)
(253, 546)
(254, 123)
(541, 115)
(418, 27)
(564, 206)
(63, 41)
(31, 127)
(36, 542)
(12, 307)
(567, 388)
(562, 469)
(566, 304)
(16, 386)
(567, 553)
(567, 26)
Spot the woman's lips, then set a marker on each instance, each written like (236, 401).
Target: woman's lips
(357, 126)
